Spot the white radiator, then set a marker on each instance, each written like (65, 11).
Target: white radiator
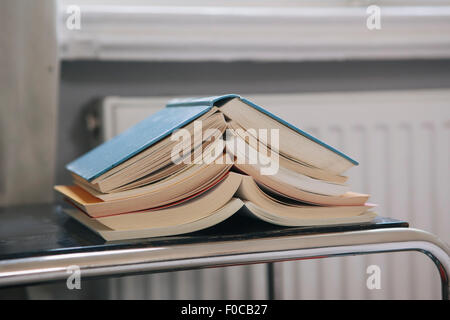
(400, 138)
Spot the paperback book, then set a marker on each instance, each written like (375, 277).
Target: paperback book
(199, 161)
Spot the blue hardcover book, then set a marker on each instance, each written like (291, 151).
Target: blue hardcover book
(132, 141)
(178, 113)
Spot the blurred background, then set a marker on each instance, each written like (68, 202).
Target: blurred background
(371, 78)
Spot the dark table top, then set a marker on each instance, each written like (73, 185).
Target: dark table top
(39, 230)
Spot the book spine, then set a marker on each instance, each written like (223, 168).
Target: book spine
(205, 101)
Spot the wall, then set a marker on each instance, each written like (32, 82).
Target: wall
(28, 101)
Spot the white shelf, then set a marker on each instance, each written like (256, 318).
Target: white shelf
(253, 32)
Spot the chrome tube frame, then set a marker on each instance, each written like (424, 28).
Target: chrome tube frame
(42, 269)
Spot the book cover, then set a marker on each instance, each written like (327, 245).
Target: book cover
(132, 141)
(151, 130)
(219, 100)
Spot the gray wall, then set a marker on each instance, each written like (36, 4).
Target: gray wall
(82, 82)
(28, 101)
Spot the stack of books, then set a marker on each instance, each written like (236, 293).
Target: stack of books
(198, 161)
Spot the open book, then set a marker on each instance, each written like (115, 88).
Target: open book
(199, 161)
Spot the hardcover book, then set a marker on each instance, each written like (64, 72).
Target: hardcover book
(199, 161)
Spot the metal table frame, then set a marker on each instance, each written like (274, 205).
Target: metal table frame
(42, 269)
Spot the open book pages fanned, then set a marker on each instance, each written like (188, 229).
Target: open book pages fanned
(198, 161)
